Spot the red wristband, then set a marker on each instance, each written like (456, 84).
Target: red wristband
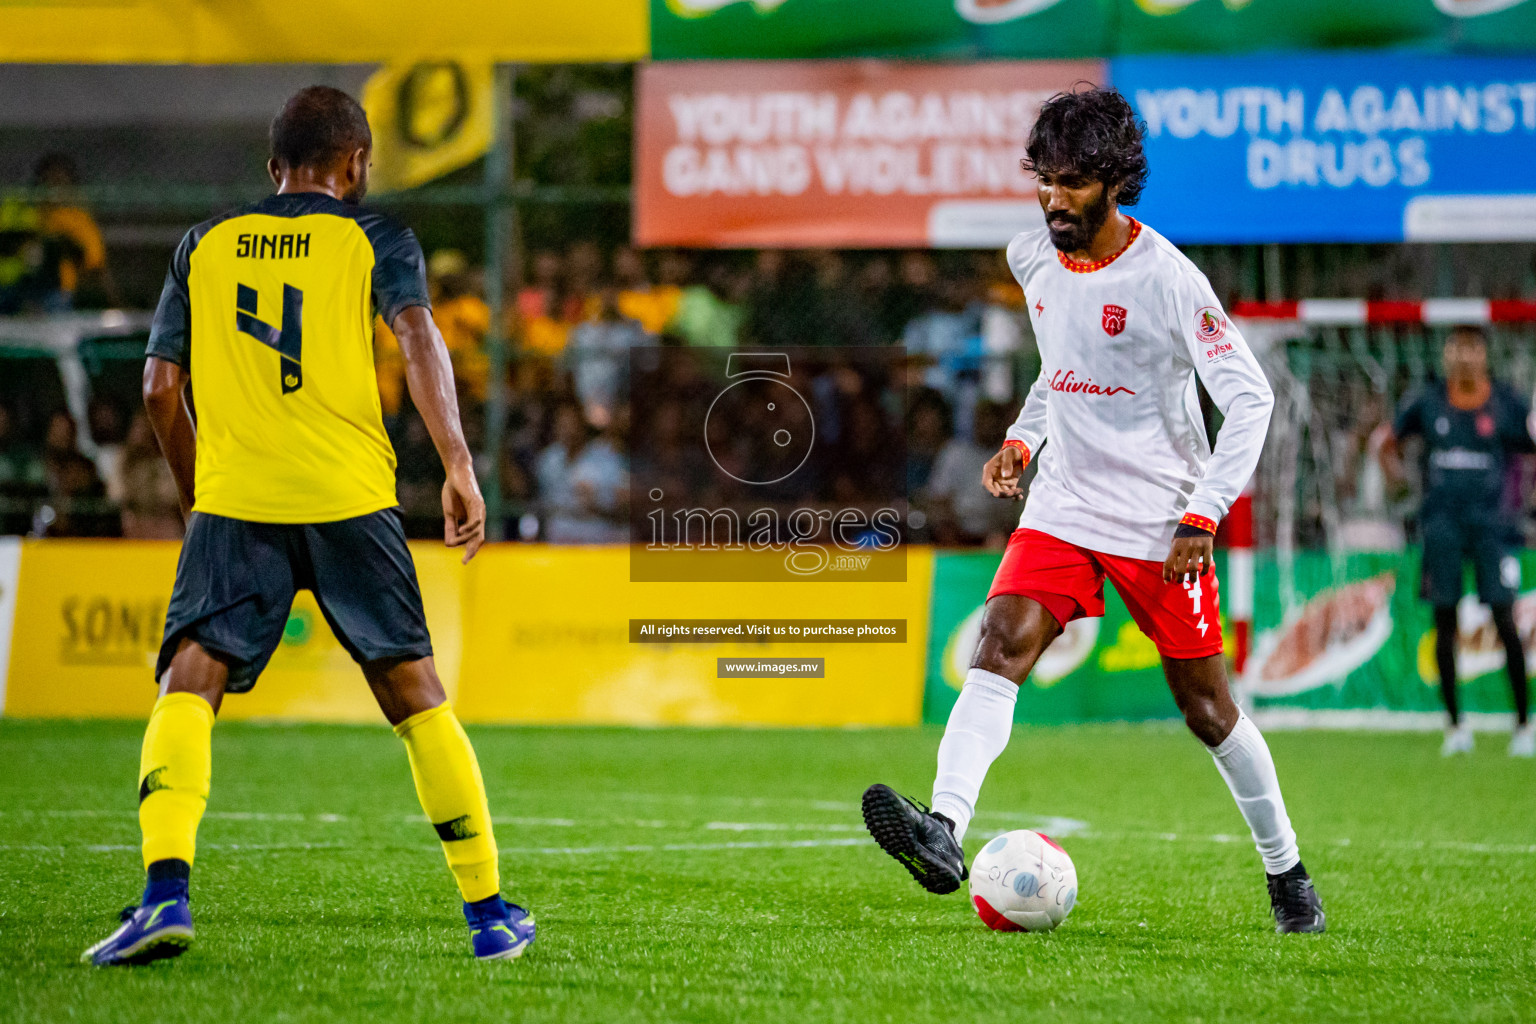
(1021, 446)
(1190, 519)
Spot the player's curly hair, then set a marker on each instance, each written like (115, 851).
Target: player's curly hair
(317, 125)
(1092, 132)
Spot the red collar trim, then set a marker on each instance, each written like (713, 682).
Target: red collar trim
(1078, 267)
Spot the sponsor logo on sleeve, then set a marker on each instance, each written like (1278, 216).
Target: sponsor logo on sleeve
(1211, 328)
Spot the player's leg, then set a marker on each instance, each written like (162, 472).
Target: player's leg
(1523, 742)
(227, 609)
(1498, 584)
(1440, 583)
(1041, 584)
(1458, 738)
(365, 584)
(1243, 759)
(1015, 631)
(443, 764)
(1184, 620)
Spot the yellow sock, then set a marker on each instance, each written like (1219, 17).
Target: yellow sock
(174, 768)
(453, 795)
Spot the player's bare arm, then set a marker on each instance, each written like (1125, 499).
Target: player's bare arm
(429, 375)
(1190, 556)
(1004, 471)
(165, 385)
(1003, 475)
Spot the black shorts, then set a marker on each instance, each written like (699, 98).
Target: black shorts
(236, 580)
(1449, 544)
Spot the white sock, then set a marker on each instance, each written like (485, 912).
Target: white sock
(977, 732)
(1243, 760)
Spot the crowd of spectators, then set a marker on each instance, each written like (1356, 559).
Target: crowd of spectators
(568, 429)
(573, 439)
(52, 487)
(564, 462)
(915, 433)
(50, 246)
(571, 329)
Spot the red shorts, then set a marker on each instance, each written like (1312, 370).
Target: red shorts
(1182, 619)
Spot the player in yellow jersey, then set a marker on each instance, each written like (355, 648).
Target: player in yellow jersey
(287, 479)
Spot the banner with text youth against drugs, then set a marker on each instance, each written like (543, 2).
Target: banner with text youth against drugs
(1383, 147)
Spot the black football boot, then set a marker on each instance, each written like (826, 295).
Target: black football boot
(924, 842)
(1295, 903)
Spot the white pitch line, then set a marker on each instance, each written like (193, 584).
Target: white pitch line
(1053, 825)
(1451, 845)
(1058, 827)
(236, 847)
(219, 815)
(794, 844)
(1514, 849)
(775, 826)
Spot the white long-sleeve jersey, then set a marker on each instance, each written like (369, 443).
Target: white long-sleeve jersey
(1121, 344)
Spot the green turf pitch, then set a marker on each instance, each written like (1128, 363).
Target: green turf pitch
(724, 876)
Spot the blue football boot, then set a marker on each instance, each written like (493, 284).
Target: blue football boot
(498, 930)
(155, 931)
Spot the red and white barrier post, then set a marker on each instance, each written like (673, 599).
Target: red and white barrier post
(1239, 584)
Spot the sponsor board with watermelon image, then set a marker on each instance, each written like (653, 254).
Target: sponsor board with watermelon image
(1332, 635)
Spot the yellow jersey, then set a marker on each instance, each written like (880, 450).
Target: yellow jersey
(270, 309)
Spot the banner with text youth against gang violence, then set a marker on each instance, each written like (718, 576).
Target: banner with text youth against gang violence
(839, 153)
(1337, 148)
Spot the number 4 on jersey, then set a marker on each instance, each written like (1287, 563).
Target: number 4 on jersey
(287, 340)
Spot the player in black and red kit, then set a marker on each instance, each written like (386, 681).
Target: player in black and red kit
(1471, 425)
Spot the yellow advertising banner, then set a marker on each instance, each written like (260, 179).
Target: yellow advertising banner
(428, 118)
(89, 616)
(319, 31)
(525, 633)
(548, 640)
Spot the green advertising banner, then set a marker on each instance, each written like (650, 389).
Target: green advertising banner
(973, 29)
(1097, 670)
(1491, 24)
(1358, 637)
(1237, 26)
(1343, 635)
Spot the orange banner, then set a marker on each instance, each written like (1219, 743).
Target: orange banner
(840, 153)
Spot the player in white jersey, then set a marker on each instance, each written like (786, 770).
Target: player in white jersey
(1128, 488)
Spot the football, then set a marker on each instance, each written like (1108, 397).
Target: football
(1023, 881)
